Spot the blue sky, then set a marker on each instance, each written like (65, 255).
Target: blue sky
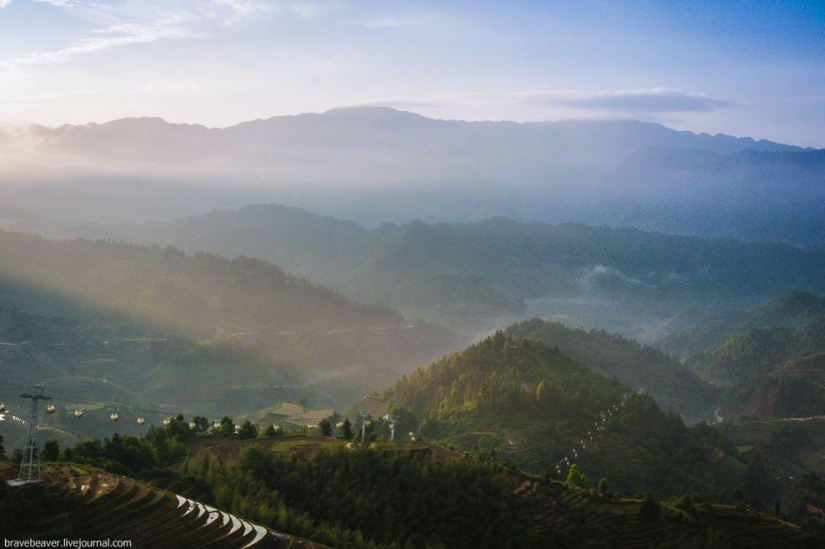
(739, 67)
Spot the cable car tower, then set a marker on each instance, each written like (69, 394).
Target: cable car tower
(392, 420)
(30, 465)
(365, 422)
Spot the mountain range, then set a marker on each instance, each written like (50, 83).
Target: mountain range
(478, 277)
(375, 165)
(147, 326)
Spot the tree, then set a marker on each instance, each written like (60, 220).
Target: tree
(346, 430)
(603, 489)
(326, 427)
(576, 477)
(650, 508)
(2, 448)
(51, 451)
(227, 427)
(543, 392)
(247, 430)
(201, 423)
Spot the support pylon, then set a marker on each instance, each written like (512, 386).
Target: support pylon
(30, 465)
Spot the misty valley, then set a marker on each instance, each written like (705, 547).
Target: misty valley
(370, 329)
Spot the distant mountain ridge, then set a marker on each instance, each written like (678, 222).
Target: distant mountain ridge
(246, 321)
(359, 124)
(484, 275)
(375, 165)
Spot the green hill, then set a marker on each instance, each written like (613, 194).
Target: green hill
(698, 331)
(265, 493)
(478, 276)
(633, 364)
(107, 326)
(520, 400)
(774, 371)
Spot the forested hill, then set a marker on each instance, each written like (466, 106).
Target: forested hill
(520, 400)
(633, 364)
(701, 333)
(201, 294)
(479, 275)
(770, 372)
(341, 347)
(501, 375)
(785, 329)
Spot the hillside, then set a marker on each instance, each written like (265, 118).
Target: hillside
(200, 332)
(696, 332)
(480, 276)
(266, 493)
(775, 369)
(334, 485)
(523, 401)
(375, 165)
(85, 503)
(791, 389)
(635, 365)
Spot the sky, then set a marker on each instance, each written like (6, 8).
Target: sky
(745, 68)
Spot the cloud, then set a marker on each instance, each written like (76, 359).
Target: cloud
(234, 11)
(387, 23)
(4, 4)
(401, 105)
(62, 3)
(655, 100)
(307, 11)
(110, 37)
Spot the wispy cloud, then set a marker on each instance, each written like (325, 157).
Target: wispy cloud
(63, 3)
(235, 11)
(387, 23)
(110, 37)
(655, 100)
(400, 105)
(652, 101)
(4, 4)
(307, 10)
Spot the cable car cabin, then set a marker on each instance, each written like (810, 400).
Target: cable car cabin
(114, 417)
(78, 413)
(193, 425)
(2, 408)
(167, 421)
(140, 421)
(50, 409)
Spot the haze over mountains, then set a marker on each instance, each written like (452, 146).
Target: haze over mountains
(164, 327)
(374, 165)
(478, 277)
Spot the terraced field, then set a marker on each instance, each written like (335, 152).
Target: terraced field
(618, 523)
(119, 508)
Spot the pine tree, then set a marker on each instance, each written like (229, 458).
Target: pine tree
(51, 451)
(346, 430)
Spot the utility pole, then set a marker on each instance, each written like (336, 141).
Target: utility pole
(30, 465)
